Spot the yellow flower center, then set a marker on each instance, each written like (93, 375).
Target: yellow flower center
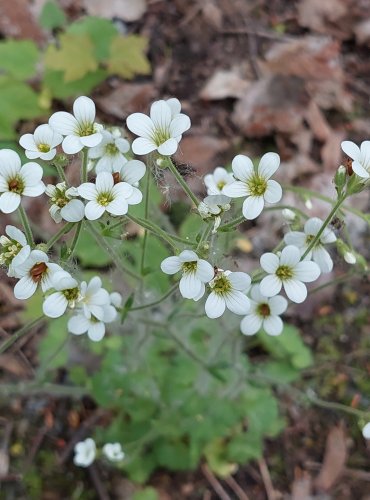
(284, 273)
(43, 148)
(189, 267)
(221, 285)
(257, 185)
(104, 199)
(16, 185)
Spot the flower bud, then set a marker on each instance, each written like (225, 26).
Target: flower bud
(288, 214)
(340, 178)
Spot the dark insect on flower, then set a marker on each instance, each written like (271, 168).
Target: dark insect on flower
(185, 169)
(348, 165)
(337, 223)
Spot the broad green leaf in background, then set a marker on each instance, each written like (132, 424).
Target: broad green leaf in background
(54, 83)
(90, 253)
(51, 352)
(127, 56)
(148, 493)
(75, 57)
(100, 31)
(18, 58)
(52, 16)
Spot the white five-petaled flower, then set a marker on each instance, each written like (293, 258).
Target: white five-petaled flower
(213, 206)
(302, 240)
(66, 295)
(287, 270)
(85, 453)
(94, 298)
(64, 205)
(42, 143)
(366, 431)
(114, 452)
(195, 273)
(228, 291)
(131, 172)
(34, 270)
(79, 129)
(264, 313)
(14, 249)
(162, 131)
(254, 183)
(17, 180)
(216, 181)
(110, 153)
(360, 156)
(105, 195)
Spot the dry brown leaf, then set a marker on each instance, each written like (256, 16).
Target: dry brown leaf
(334, 459)
(317, 122)
(128, 10)
(224, 84)
(127, 98)
(17, 21)
(326, 16)
(12, 364)
(212, 14)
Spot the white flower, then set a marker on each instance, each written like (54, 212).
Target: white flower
(15, 249)
(63, 204)
(34, 270)
(216, 182)
(264, 313)
(161, 132)
(287, 270)
(114, 452)
(94, 328)
(302, 240)
(131, 172)
(85, 453)
(66, 294)
(213, 206)
(254, 183)
(195, 272)
(42, 143)
(228, 290)
(104, 195)
(79, 129)
(116, 299)
(350, 257)
(94, 298)
(366, 431)
(110, 152)
(360, 156)
(16, 180)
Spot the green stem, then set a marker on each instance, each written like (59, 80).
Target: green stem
(322, 197)
(84, 165)
(146, 213)
(156, 302)
(65, 229)
(233, 223)
(205, 234)
(282, 207)
(324, 225)
(182, 182)
(61, 174)
(26, 225)
(19, 333)
(76, 237)
(336, 281)
(103, 243)
(153, 229)
(27, 388)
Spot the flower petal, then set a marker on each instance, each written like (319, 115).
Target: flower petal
(171, 265)
(240, 281)
(278, 305)
(104, 182)
(242, 167)
(251, 324)
(252, 207)
(205, 271)
(140, 125)
(160, 114)
(180, 124)
(133, 171)
(25, 288)
(27, 142)
(188, 256)
(90, 141)
(9, 202)
(306, 271)
(64, 123)
(290, 256)
(190, 285)
(273, 325)
(143, 146)
(295, 238)
(351, 149)
(78, 324)
(168, 148)
(236, 189)
(273, 192)
(119, 206)
(215, 305)
(322, 259)
(268, 165)
(295, 290)
(84, 110)
(96, 331)
(93, 210)
(269, 262)
(360, 170)
(74, 211)
(270, 285)
(72, 144)
(55, 305)
(237, 302)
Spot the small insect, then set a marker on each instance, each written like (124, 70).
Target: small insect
(185, 169)
(348, 165)
(337, 223)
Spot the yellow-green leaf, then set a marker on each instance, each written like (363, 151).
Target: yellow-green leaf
(75, 57)
(127, 56)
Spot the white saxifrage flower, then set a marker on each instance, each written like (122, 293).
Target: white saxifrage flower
(287, 270)
(42, 143)
(216, 181)
(105, 195)
(94, 298)
(254, 183)
(64, 205)
(131, 172)
(110, 153)
(228, 291)
(360, 156)
(79, 129)
(113, 452)
(66, 295)
(85, 453)
(162, 131)
(14, 249)
(366, 431)
(264, 313)
(195, 273)
(213, 206)
(35, 270)
(17, 180)
(302, 240)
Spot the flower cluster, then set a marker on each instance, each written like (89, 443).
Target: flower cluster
(86, 452)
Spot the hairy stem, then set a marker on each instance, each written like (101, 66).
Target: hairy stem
(149, 226)
(182, 182)
(19, 334)
(61, 173)
(65, 229)
(85, 157)
(156, 302)
(26, 225)
(146, 213)
(76, 237)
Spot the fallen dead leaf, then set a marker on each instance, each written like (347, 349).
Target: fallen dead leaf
(127, 98)
(17, 21)
(224, 84)
(212, 14)
(317, 122)
(334, 459)
(127, 10)
(328, 16)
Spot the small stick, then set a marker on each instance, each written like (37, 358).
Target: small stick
(98, 484)
(216, 485)
(266, 478)
(236, 488)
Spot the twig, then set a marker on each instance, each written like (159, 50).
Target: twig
(99, 486)
(35, 447)
(236, 488)
(261, 34)
(213, 481)
(361, 475)
(266, 478)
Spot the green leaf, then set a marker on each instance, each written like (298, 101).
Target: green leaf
(75, 56)
(148, 493)
(127, 56)
(18, 58)
(51, 355)
(54, 83)
(100, 31)
(52, 16)
(89, 252)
